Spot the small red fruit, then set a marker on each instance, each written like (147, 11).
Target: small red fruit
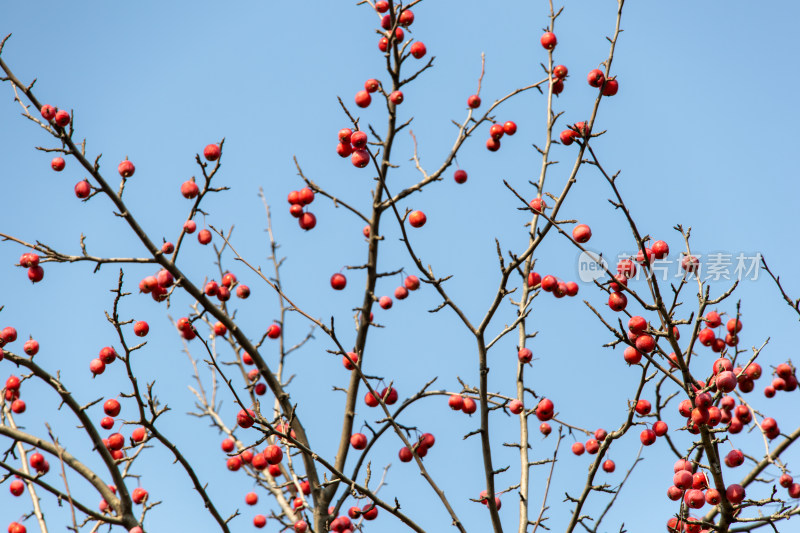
(460, 176)
(363, 99)
(126, 169)
(596, 78)
(609, 466)
(97, 366)
(31, 347)
(58, 164)
(360, 158)
(62, 118)
(406, 17)
(510, 127)
(189, 226)
(83, 189)
(141, 328)
(396, 97)
(418, 49)
(338, 281)
(371, 86)
(469, 406)
(189, 189)
(474, 101)
(578, 448)
(48, 112)
(274, 331)
(660, 249)
(112, 407)
(385, 302)
(610, 88)
(560, 71)
(617, 301)
(204, 236)
(401, 293)
(525, 355)
(456, 402)
(582, 233)
(358, 139)
(307, 221)
(245, 419)
(549, 40)
(417, 219)
(358, 441)
(492, 145)
(212, 152)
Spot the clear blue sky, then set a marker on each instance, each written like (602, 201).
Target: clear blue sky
(702, 130)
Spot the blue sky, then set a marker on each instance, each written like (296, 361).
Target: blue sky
(701, 130)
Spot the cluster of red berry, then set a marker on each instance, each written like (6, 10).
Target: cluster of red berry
(30, 261)
(496, 132)
(299, 199)
(269, 460)
(425, 442)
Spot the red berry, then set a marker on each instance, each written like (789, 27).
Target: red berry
(609, 466)
(360, 158)
(557, 86)
(381, 6)
(274, 331)
(189, 226)
(83, 189)
(660, 428)
(610, 88)
(245, 419)
(560, 71)
(97, 366)
(385, 302)
(126, 169)
(474, 101)
(138, 434)
(112, 407)
(549, 40)
(306, 196)
(58, 164)
(204, 236)
(460, 176)
(411, 282)
(347, 364)
(48, 112)
(338, 281)
(383, 44)
(371, 86)
(418, 49)
(141, 328)
(567, 136)
(510, 128)
(358, 139)
(189, 189)
(496, 131)
(212, 152)
(582, 233)
(358, 441)
(243, 292)
(617, 301)
(456, 402)
(660, 249)
(401, 293)
(578, 448)
(396, 97)
(363, 99)
(545, 428)
(31, 347)
(417, 219)
(596, 78)
(492, 145)
(406, 17)
(648, 437)
(62, 118)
